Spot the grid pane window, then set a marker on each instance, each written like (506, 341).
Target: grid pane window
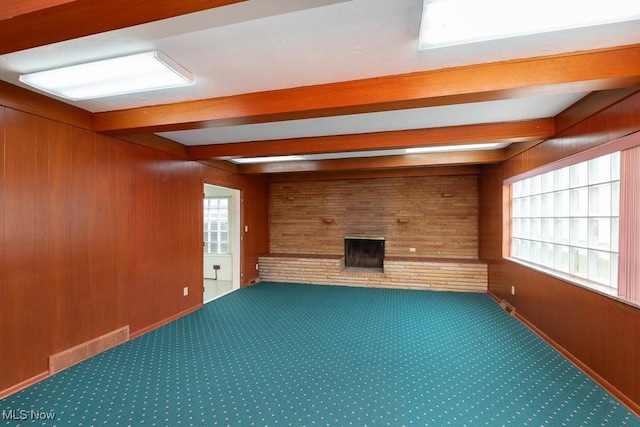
(567, 221)
(216, 225)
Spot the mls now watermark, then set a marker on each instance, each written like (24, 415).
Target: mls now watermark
(24, 414)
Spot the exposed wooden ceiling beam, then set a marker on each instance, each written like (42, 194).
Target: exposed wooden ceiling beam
(529, 130)
(590, 105)
(33, 23)
(158, 143)
(576, 72)
(376, 173)
(370, 163)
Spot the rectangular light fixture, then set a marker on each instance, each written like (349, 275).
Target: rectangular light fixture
(453, 22)
(449, 148)
(109, 77)
(244, 160)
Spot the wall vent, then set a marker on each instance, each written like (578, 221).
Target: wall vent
(69, 357)
(508, 307)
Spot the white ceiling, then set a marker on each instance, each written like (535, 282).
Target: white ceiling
(417, 118)
(262, 45)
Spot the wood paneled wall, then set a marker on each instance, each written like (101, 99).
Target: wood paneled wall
(600, 332)
(98, 233)
(65, 212)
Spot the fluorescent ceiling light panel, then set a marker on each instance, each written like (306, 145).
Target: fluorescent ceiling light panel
(267, 159)
(453, 22)
(448, 148)
(365, 154)
(117, 76)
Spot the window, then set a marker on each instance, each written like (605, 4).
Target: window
(566, 221)
(216, 225)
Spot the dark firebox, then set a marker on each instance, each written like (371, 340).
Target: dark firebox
(363, 252)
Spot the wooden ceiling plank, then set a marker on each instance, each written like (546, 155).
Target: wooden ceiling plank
(41, 22)
(526, 130)
(576, 72)
(371, 163)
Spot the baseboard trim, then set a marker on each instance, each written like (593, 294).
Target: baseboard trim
(624, 399)
(24, 384)
(90, 344)
(163, 322)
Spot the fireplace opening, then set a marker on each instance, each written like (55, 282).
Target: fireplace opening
(364, 252)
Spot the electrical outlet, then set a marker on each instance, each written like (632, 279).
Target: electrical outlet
(257, 267)
(185, 291)
(412, 249)
(216, 267)
(513, 290)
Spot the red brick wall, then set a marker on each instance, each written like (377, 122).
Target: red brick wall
(313, 217)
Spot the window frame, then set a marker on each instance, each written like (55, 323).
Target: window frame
(210, 246)
(575, 255)
(622, 144)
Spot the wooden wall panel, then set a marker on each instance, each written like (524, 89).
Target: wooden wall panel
(601, 332)
(490, 214)
(81, 292)
(4, 320)
(61, 213)
(99, 233)
(190, 185)
(616, 121)
(147, 286)
(255, 214)
(21, 280)
(64, 233)
(114, 185)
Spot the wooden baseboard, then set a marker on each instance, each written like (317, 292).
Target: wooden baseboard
(163, 322)
(62, 360)
(24, 384)
(632, 405)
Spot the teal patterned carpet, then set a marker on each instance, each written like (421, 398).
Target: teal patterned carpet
(302, 355)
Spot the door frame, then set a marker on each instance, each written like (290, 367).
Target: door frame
(235, 225)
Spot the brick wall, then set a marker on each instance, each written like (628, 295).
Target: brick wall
(439, 215)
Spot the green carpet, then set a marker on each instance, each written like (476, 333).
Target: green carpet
(287, 354)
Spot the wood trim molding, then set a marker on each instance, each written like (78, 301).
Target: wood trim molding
(519, 131)
(634, 407)
(220, 164)
(20, 99)
(576, 72)
(158, 143)
(169, 319)
(24, 384)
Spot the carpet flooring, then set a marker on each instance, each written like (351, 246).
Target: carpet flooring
(289, 354)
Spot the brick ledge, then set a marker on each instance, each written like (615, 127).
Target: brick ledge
(387, 258)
